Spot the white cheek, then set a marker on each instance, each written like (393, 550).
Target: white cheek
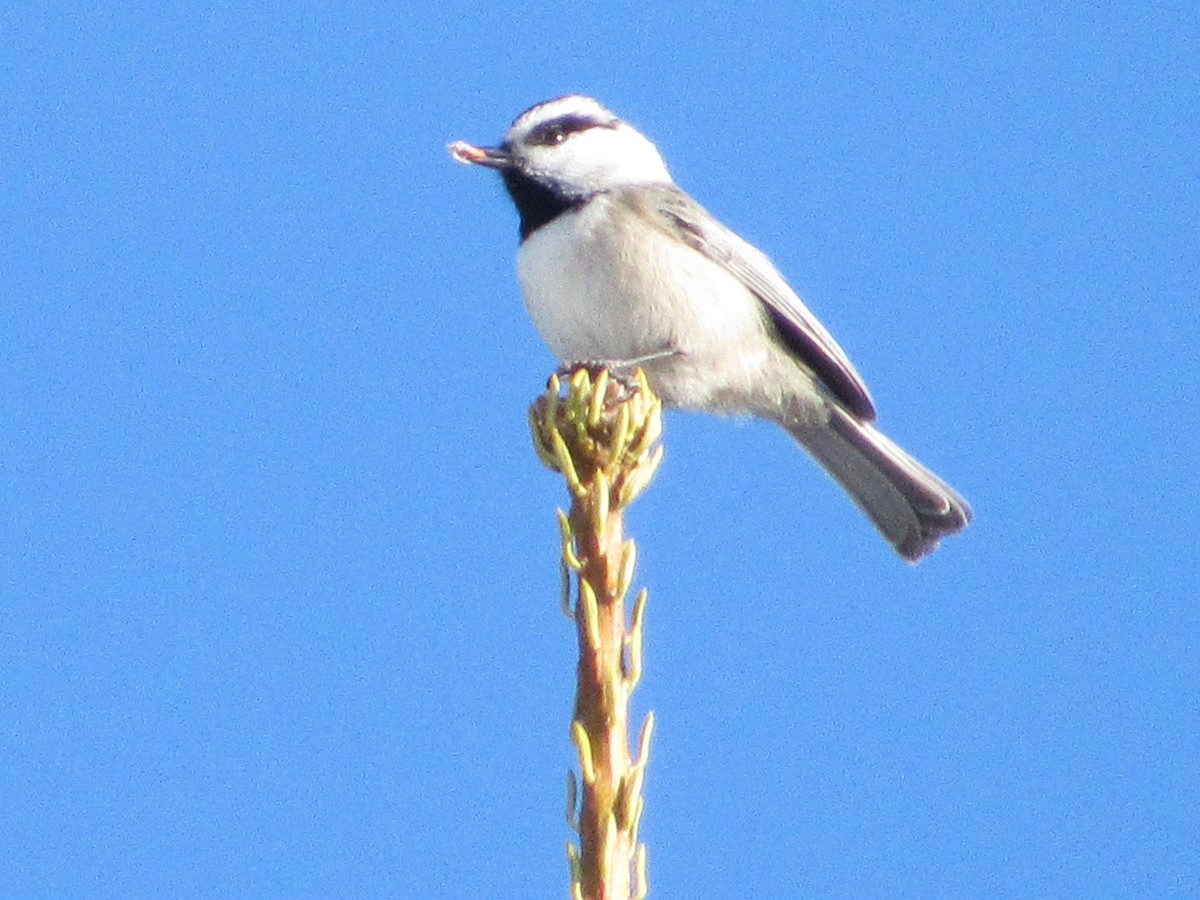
(599, 158)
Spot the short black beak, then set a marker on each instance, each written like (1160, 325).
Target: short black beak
(492, 157)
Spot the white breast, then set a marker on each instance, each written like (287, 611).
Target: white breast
(601, 286)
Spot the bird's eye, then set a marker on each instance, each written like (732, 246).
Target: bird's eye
(558, 130)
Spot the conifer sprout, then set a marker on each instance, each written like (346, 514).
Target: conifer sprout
(601, 434)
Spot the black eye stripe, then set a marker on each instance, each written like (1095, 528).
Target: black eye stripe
(558, 130)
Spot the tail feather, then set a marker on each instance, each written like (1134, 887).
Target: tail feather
(910, 506)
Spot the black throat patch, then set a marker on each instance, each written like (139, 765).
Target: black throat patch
(538, 204)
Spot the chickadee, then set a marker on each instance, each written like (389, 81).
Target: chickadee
(620, 267)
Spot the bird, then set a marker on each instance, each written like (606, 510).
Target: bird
(620, 267)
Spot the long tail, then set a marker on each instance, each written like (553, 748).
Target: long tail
(910, 506)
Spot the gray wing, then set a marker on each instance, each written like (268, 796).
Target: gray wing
(800, 330)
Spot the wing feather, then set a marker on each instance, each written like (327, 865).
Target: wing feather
(804, 335)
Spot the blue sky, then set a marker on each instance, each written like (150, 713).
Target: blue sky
(279, 567)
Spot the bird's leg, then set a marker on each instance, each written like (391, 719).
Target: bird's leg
(616, 366)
